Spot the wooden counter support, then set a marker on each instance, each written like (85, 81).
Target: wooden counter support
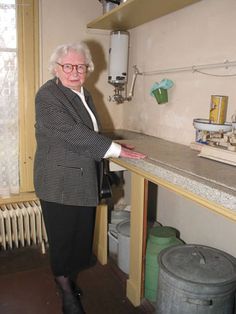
(100, 234)
(134, 283)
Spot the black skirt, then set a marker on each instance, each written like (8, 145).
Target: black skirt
(70, 231)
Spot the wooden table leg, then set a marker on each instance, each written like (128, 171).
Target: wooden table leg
(138, 200)
(100, 234)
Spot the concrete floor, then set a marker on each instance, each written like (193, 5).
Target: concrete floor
(27, 286)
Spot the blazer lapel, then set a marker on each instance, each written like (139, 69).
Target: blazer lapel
(75, 105)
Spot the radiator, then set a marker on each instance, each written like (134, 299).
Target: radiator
(21, 224)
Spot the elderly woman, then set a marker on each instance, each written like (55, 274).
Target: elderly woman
(69, 147)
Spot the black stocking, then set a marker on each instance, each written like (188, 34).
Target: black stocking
(64, 283)
(71, 302)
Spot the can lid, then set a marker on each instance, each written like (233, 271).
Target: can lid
(163, 232)
(119, 215)
(124, 228)
(198, 264)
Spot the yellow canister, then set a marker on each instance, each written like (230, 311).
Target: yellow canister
(218, 109)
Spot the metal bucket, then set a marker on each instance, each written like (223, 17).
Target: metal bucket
(117, 216)
(196, 279)
(123, 231)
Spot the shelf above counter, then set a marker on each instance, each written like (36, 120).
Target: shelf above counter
(133, 13)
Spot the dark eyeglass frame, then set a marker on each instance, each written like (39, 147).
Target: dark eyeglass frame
(80, 68)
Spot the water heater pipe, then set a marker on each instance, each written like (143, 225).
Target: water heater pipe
(131, 93)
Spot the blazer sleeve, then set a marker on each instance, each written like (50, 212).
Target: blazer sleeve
(57, 121)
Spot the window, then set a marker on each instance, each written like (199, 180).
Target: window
(19, 82)
(9, 167)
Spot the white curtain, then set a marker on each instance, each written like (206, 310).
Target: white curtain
(9, 130)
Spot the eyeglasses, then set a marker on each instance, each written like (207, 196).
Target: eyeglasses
(68, 68)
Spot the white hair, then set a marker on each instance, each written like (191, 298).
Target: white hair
(62, 50)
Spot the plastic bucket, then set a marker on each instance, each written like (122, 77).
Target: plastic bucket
(196, 279)
(161, 95)
(159, 238)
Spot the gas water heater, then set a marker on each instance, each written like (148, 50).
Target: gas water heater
(118, 63)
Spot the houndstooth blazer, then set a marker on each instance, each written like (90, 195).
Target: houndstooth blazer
(68, 149)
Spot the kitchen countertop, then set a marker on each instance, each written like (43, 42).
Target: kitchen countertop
(179, 166)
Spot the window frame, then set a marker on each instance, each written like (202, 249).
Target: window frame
(28, 84)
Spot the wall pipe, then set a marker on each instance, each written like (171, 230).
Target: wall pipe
(226, 64)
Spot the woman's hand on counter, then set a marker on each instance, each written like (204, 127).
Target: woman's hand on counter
(130, 153)
(125, 145)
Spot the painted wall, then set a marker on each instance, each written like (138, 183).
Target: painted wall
(196, 224)
(199, 34)
(65, 21)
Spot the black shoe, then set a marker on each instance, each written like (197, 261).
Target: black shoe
(71, 304)
(76, 290)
